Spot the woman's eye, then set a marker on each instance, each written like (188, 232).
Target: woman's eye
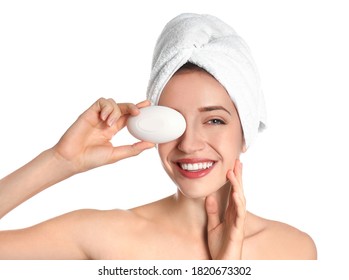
(216, 121)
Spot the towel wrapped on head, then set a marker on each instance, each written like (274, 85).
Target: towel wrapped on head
(211, 44)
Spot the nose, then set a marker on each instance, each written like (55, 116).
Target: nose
(191, 141)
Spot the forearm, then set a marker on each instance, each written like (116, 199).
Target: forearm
(42, 172)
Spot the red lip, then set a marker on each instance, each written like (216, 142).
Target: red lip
(194, 174)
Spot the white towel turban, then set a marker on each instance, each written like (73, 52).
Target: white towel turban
(211, 44)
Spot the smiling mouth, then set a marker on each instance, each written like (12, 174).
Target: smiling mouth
(195, 167)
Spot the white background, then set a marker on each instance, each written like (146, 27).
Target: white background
(58, 57)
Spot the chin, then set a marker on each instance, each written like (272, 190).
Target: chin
(198, 188)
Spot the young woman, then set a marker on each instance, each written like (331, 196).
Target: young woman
(205, 219)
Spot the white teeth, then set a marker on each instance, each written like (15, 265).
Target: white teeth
(196, 166)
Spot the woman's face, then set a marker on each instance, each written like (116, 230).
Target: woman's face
(198, 161)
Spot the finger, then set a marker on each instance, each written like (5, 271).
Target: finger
(131, 109)
(127, 151)
(115, 112)
(104, 108)
(236, 174)
(239, 223)
(128, 108)
(144, 103)
(237, 197)
(110, 111)
(237, 203)
(238, 170)
(240, 208)
(119, 110)
(236, 184)
(212, 213)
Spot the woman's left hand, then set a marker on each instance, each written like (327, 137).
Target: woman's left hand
(225, 238)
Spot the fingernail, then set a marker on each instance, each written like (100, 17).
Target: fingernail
(111, 121)
(104, 116)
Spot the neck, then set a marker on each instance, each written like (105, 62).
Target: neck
(191, 212)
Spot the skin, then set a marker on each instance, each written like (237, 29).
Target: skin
(205, 219)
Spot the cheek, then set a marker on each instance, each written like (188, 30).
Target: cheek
(164, 152)
(229, 146)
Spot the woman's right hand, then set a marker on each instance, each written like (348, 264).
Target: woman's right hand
(86, 144)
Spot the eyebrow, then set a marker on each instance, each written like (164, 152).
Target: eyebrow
(213, 108)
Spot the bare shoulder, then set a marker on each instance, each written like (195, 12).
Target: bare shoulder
(277, 240)
(107, 234)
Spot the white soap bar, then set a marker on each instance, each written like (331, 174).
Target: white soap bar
(157, 124)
